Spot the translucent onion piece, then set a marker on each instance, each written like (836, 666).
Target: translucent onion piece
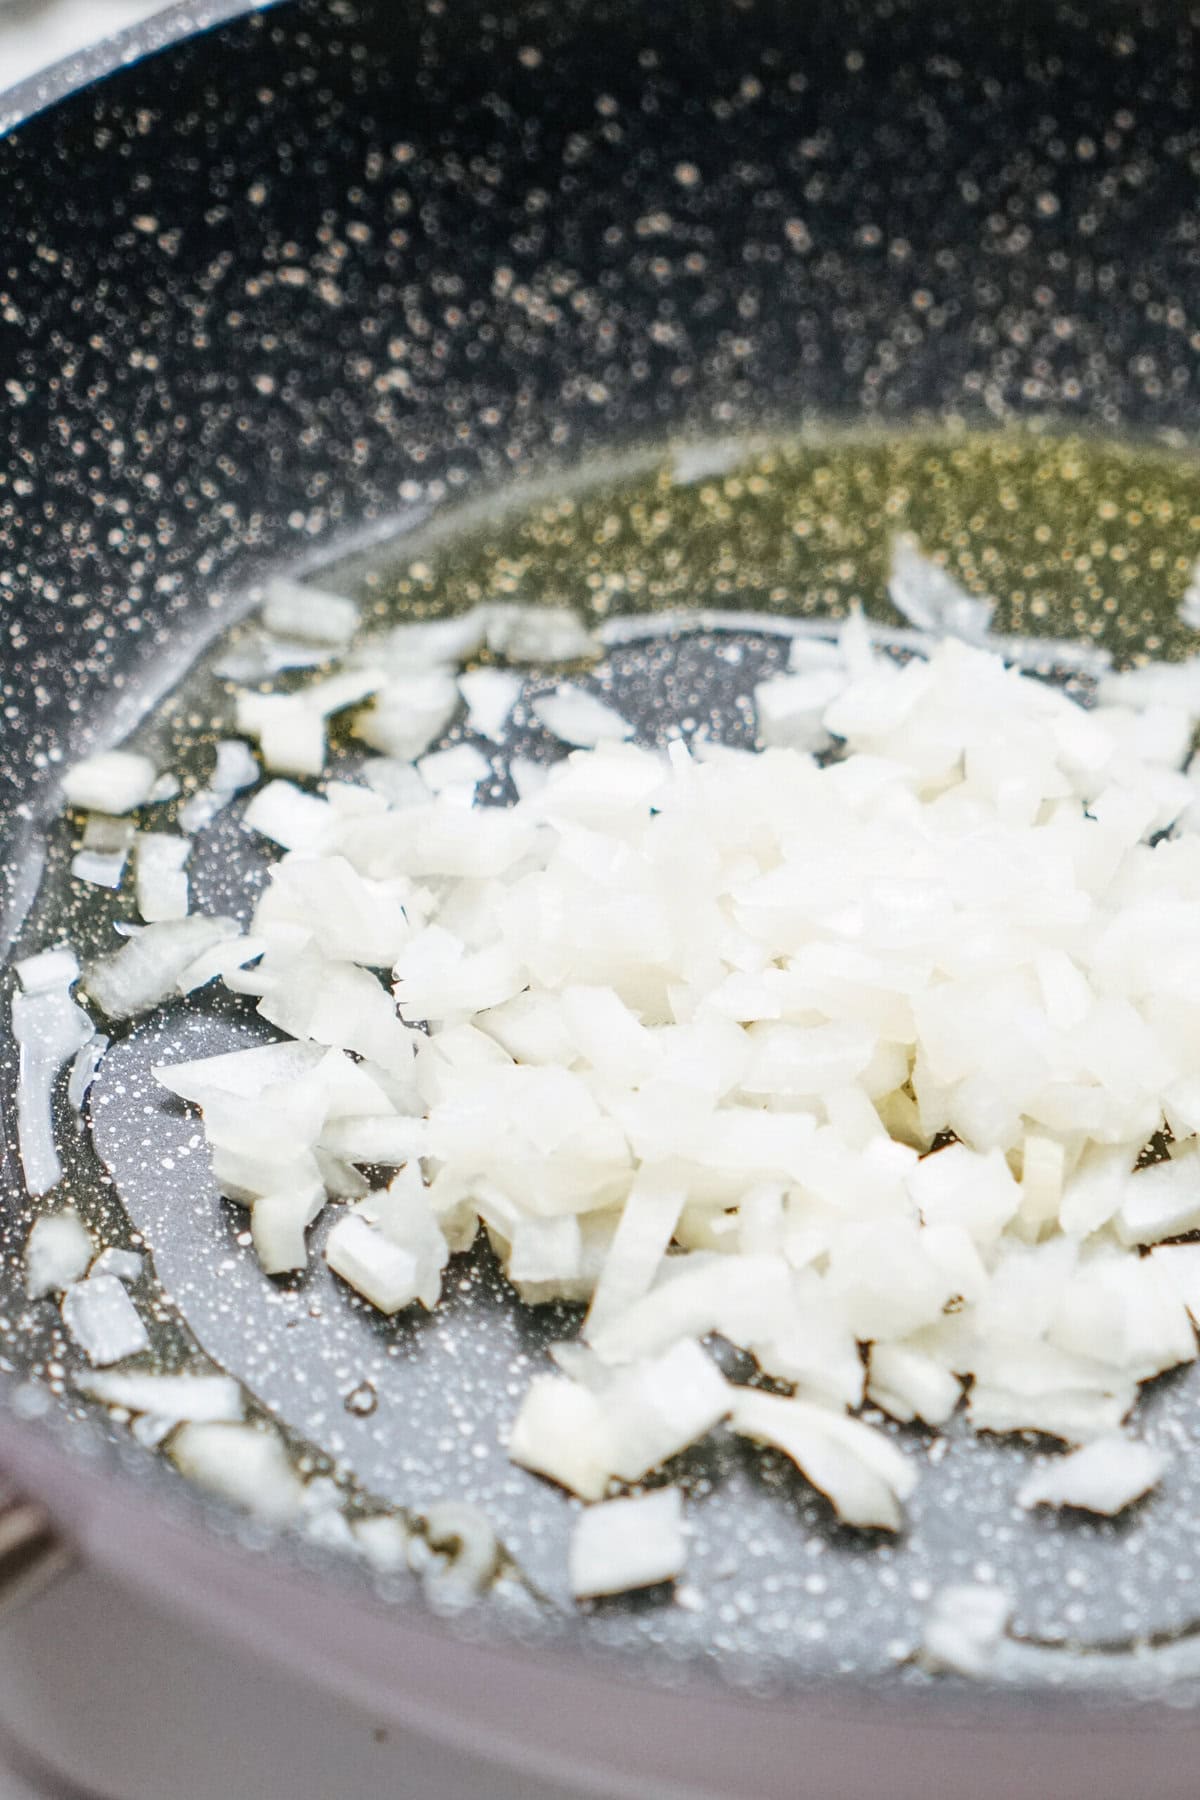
(626, 1544)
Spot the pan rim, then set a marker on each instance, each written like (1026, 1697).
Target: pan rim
(171, 25)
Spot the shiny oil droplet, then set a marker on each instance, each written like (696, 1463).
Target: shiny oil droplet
(362, 1400)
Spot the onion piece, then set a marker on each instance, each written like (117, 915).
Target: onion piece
(462, 766)
(621, 1545)
(408, 714)
(577, 717)
(172, 1398)
(403, 1211)
(583, 1436)
(662, 1406)
(1075, 1415)
(1104, 1477)
(931, 599)
(859, 1471)
(464, 1534)
(382, 1540)
(103, 1320)
(49, 1027)
(58, 1251)
(538, 634)
(222, 961)
(964, 1627)
(382, 1272)
(1162, 1201)
(147, 970)
(908, 1385)
(489, 695)
(290, 733)
(112, 781)
(293, 609)
(418, 645)
(278, 1223)
(162, 885)
(245, 1464)
(791, 708)
(287, 815)
(84, 1069)
(236, 768)
(648, 1220)
(102, 868)
(561, 1431)
(127, 1265)
(57, 968)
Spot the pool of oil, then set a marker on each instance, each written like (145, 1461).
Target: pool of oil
(1072, 539)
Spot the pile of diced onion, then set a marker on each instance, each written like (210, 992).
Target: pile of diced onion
(847, 1051)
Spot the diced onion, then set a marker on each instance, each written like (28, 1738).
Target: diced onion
(174, 1398)
(577, 717)
(127, 1265)
(112, 781)
(103, 1320)
(58, 1250)
(1103, 1477)
(293, 609)
(147, 970)
(246, 1464)
(964, 1627)
(627, 1544)
(162, 885)
(490, 695)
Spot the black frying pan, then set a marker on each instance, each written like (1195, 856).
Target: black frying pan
(903, 213)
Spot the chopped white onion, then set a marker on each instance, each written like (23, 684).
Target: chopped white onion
(83, 1070)
(408, 713)
(257, 656)
(49, 1028)
(58, 1250)
(382, 1272)
(112, 781)
(964, 1626)
(103, 1320)
(127, 1265)
(860, 1471)
(236, 768)
(621, 1545)
(489, 695)
(246, 1464)
(293, 609)
(147, 970)
(1103, 1477)
(538, 634)
(58, 968)
(459, 767)
(383, 1542)
(278, 1223)
(102, 868)
(680, 1031)
(162, 885)
(283, 812)
(577, 717)
(584, 1436)
(205, 1399)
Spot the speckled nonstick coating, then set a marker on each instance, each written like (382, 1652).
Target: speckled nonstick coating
(338, 266)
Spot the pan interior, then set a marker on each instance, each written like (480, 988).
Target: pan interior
(1074, 539)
